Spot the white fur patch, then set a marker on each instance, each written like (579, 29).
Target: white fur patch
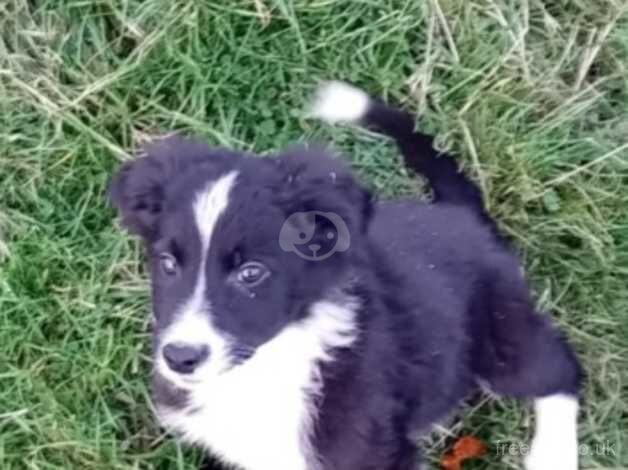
(210, 204)
(259, 415)
(339, 102)
(555, 443)
(192, 325)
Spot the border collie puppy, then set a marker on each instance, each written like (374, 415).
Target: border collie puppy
(301, 325)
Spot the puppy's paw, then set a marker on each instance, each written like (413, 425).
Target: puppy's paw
(555, 443)
(553, 454)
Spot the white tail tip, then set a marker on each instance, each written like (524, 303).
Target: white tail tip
(339, 102)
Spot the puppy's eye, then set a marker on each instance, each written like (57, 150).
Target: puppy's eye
(168, 264)
(252, 274)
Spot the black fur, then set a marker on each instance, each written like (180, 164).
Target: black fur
(443, 302)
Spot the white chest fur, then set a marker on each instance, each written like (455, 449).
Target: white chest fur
(259, 415)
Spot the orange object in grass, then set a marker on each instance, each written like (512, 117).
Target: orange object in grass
(467, 447)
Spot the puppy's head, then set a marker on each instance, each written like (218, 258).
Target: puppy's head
(220, 230)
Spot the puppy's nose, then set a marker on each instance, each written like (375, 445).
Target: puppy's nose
(314, 247)
(184, 358)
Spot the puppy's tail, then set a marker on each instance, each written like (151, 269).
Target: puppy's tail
(338, 102)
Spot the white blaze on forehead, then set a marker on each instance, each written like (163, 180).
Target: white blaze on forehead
(192, 324)
(209, 206)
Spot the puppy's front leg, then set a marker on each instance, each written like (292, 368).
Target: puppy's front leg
(555, 443)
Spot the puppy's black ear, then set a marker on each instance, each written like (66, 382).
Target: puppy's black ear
(138, 190)
(314, 181)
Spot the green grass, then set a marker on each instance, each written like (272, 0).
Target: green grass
(532, 95)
